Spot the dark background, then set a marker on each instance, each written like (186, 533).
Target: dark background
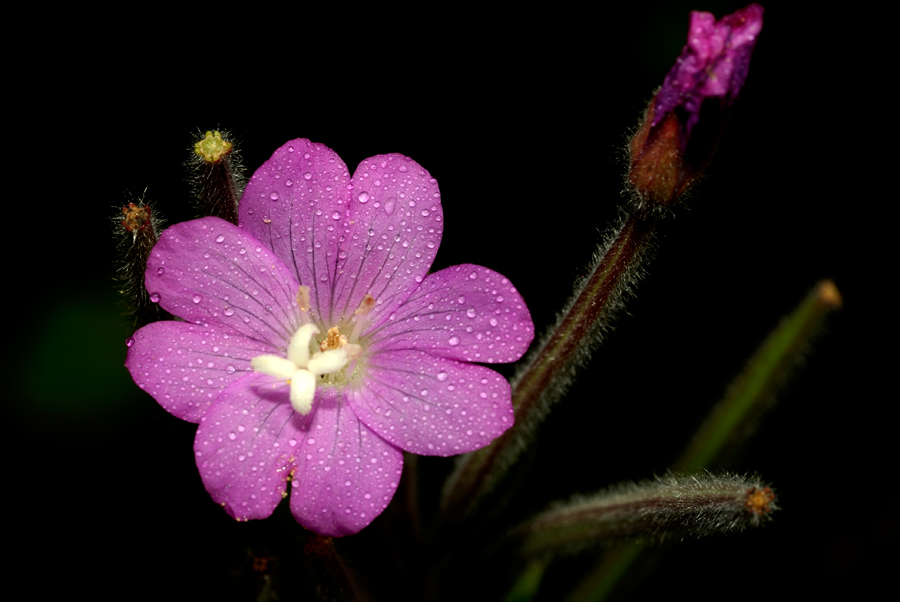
(521, 117)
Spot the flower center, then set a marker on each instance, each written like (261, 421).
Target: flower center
(326, 364)
(302, 370)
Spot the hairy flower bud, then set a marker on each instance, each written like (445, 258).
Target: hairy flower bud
(675, 143)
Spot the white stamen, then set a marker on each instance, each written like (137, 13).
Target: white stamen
(301, 371)
(303, 391)
(298, 349)
(273, 365)
(327, 361)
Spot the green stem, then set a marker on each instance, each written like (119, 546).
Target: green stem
(731, 422)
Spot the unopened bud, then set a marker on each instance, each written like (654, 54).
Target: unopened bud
(686, 118)
(136, 227)
(217, 175)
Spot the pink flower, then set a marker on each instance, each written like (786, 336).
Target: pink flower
(713, 64)
(316, 346)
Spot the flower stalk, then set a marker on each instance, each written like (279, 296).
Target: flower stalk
(548, 369)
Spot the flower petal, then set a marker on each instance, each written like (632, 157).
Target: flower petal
(465, 312)
(296, 204)
(185, 366)
(430, 405)
(396, 223)
(245, 446)
(346, 474)
(209, 271)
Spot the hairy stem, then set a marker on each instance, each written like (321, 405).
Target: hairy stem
(547, 371)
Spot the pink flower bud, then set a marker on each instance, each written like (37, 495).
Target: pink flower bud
(685, 120)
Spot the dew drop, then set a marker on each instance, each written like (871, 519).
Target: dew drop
(232, 435)
(220, 238)
(473, 275)
(129, 341)
(423, 392)
(288, 182)
(425, 213)
(454, 340)
(363, 197)
(336, 215)
(228, 311)
(371, 232)
(154, 297)
(229, 369)
(461, 299)
(389, 206)
(196, 298)
(471, 312)
(160, 271)
(493, 321)
(442, 376)
(274, 196)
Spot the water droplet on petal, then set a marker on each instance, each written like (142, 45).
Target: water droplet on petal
(471, 312)
(461, 299)
(493, 321)
(196, 298)
(220, 238)
(336, 215)
(229, 369)
(228, 312)
(160, 271)
(232, 435)
(288, 182)
(454, 340)
(129, 341)
(389, 206)
(363, 197)
(442, 376)
(154, 297)
(274, 196)
(371, 232)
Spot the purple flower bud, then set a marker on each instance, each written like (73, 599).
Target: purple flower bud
(667, 154)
